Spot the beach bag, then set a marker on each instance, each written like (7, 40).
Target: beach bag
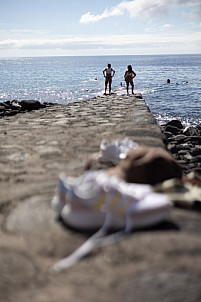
(98, 201)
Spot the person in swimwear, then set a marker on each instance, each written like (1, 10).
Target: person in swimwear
(108, 73)
(129, 76)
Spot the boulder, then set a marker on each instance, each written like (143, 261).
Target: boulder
(191, 131)
(197, 159)
(172, 129)
(11, 112)
(30, 105)
(185, 144)
(2, 108)
(167, 134)
(195, 151)
(15, 105)
(178, 139)
(195, 140)
(175, 123)
(172, 148)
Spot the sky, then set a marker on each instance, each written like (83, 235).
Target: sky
(90, 27)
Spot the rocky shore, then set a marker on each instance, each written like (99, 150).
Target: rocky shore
(14, 107)
(185, 144)
(157, 264)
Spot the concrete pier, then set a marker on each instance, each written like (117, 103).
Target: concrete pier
(34, 148)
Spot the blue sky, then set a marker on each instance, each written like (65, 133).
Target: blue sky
(90, 27)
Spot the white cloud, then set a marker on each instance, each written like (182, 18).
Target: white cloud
(89, 18)
(141, 8)
(108, 41)
(155, 43)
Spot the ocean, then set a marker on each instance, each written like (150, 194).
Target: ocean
(68, 79)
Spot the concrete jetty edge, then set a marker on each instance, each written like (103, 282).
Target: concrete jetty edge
(159, 264)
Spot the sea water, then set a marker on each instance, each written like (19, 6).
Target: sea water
(68, 79)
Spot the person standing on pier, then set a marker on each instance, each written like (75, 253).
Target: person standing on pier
(129, 76)
(108, 73)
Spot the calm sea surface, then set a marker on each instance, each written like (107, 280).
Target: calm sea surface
(68, 79)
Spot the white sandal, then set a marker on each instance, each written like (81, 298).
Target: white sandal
(97, 200)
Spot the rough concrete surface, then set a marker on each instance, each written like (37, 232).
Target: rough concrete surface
(162, 263)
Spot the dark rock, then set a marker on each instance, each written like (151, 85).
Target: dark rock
(196, 140)
(2, 108)
(182, 162)
(186, 147)
(191, 131)
(6, 105)
(178, 139)
(43, 105)
(9, 108)
(197, 159)
(182, 147)
(172, 148)
(195, 151)
(172, 129)
(175, 123)
(12, 112)
(191, 166)
(198, 127)
(182, 152)
(30, 105)
(168, 134)
(15, 105)
(138, 96)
